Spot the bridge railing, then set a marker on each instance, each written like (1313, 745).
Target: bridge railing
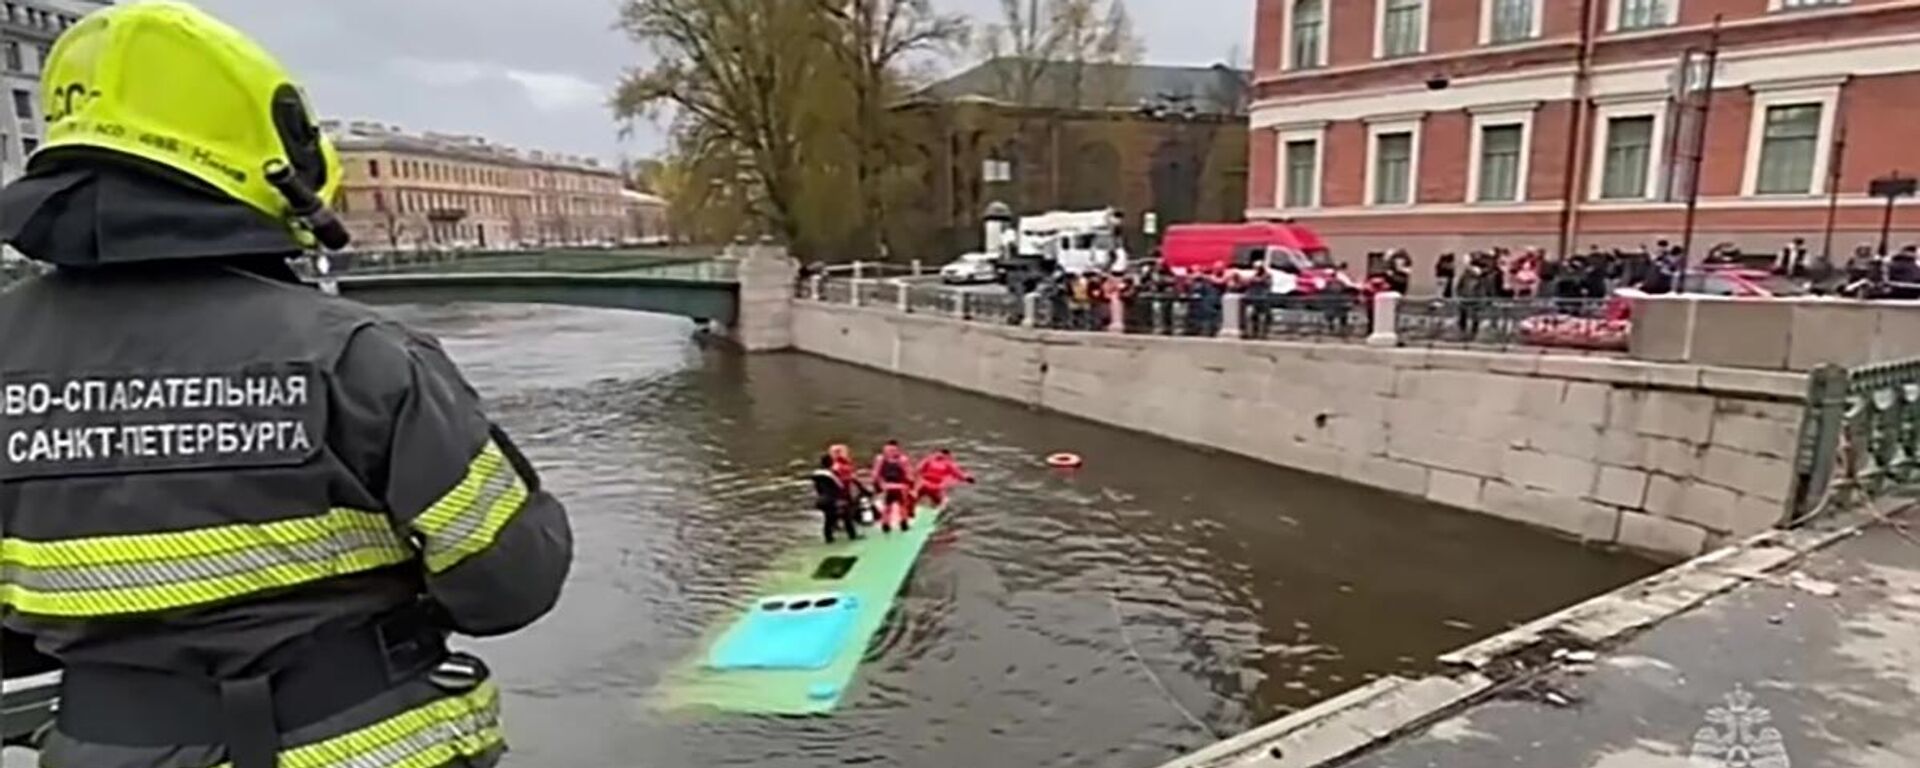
(1860, 439)
(553, 260)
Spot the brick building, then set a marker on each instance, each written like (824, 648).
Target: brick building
(403, 190)
(1450, 125)
(1170, 140)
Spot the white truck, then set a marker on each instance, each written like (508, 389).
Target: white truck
(1076, 242)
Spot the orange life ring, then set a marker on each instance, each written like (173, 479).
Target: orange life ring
(1064, 460)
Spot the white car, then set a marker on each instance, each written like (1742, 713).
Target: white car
(971, 268)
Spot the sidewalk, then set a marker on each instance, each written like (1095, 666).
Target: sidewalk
(1830, 651)
(1793, 649)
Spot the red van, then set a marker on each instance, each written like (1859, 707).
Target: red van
(1284, 248)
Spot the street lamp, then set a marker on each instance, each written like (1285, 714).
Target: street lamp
(1892, 187)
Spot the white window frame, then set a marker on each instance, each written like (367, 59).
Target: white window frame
(1616, 8)
(1286, 35)
(1644, 105)
(1486, 22)
(1777, 6)
(1822, 91)
(1401, 123)
(1380, 28)
(1316, 133)
(1494, 117)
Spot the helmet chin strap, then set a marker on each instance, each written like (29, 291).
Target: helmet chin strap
(307, 207)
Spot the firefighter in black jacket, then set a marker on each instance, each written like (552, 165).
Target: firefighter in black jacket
(242, 515)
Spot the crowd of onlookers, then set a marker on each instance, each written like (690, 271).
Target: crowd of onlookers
(1598, 272)
(1154, 299)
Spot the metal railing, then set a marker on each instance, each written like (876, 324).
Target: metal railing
(870, 270)
(1339, 316)
(929, 300)
(876, 293)
(1168, 314)
(555, 260)
(835, 291)
(1532, 324)
(1860, 439)
(1569, 323)
(993, 307)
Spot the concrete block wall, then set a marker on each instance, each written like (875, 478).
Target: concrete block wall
(1773, 334)
(1669, 459)
(765, 319)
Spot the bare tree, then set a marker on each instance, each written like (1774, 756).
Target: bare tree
(871, 39)
(737, 75)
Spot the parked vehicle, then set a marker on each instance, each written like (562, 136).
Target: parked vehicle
(1611, 329)
(1297, 257)
(1077, 242)
(971, 268)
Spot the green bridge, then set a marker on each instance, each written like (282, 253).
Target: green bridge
(703, 284)
(693, 283)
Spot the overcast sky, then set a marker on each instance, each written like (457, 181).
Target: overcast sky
(536, 74)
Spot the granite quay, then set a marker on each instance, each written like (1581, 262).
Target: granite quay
(1670, 458)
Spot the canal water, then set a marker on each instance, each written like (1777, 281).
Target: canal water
(1059, 620)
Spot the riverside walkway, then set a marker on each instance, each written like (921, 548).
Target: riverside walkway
(1794, 648)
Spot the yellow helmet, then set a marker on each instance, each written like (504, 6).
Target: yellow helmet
(168, 84)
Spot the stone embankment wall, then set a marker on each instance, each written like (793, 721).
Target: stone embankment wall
(1669, 459)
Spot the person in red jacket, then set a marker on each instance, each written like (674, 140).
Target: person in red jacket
(843, 466)
(938, 472)
(893, 476)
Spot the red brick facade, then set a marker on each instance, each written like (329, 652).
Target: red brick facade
(1849, 68)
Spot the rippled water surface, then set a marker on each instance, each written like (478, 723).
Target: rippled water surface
(1242, 590)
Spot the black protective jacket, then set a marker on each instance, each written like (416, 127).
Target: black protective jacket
(209, 470)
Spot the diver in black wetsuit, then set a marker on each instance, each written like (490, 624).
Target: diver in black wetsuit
(834, 501)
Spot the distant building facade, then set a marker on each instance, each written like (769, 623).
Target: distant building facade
(27, 31)
(1442, 125)
(1041, 136)
(646, 216)
(403, 191)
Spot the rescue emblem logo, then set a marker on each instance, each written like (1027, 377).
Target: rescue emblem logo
(1737, 735)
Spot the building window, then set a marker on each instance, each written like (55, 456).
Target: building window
(1402, 27)
(1307, 35)
(27, 146)
(6, 147)
(1642, 14)
(15, 61)
(1392, 168)
(373, 168)
(1500, 148)
(1629, 158)
(1791, 5)
(1511, 21)
(1300, 173)
(23, 104)
(379, 201)
(1790, 140)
